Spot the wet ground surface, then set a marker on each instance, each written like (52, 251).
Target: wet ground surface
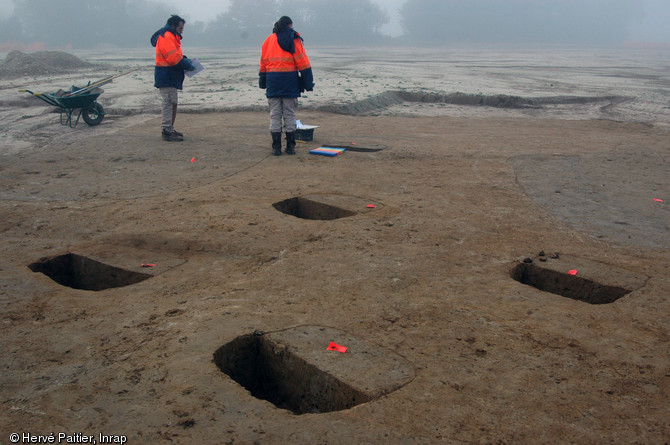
(428, 274)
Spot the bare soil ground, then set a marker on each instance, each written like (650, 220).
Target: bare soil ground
(461, 199)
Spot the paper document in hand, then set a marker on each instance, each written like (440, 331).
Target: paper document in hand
(198, 68)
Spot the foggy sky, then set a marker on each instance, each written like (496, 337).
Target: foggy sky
(205, 10)
(651, 26)
(654, 26)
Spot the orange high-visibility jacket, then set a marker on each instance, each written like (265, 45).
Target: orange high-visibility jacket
(282, 73)
(168, 49)
(170, 61)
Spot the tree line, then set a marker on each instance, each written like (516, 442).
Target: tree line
(83, 24)
(600, 22)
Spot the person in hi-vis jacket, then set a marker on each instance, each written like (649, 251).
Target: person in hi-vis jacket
(285, 72)
(169, 72)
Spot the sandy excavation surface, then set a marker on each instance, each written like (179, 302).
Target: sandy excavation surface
(475, 160)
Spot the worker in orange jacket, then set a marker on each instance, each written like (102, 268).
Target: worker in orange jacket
(285, 73)
(169, 72)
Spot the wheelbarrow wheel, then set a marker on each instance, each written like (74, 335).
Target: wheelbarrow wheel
(94, 114)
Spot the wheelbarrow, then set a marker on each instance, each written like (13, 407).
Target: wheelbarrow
(78, 102)
(69, 103)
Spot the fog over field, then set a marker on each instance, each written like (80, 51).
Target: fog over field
(28, 24)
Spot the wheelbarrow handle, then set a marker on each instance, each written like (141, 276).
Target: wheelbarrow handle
(43, 97)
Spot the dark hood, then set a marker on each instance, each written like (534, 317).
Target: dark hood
(286, 39)
(163, 30)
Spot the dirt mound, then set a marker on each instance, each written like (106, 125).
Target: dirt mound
(18, 63)
(384, 100)
(369, 105)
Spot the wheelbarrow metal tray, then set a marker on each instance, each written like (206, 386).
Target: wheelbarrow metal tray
(76, 100)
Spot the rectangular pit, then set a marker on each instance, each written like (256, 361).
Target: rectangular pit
(294, 370)
(80, 272)
(592, 282)
(310, 209)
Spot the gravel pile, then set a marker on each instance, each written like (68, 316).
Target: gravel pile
(40, 63)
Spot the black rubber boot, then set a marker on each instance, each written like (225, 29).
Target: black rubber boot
(276, 143)
(290, 143)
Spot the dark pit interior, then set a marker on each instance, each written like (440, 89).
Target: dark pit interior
(80, 272)
(271, 372)
(308, 209)
(566, 285)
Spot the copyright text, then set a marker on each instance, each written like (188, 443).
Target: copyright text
(66, 438)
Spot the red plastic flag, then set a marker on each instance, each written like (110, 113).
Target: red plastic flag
(572, 272)
(335, 347)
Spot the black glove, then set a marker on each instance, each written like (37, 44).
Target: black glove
(187, 64)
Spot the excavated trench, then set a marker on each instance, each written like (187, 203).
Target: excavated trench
(304, 208)
(80, 272)
(284, 379)
(566, 285)
(312, 369)
(577, 278)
